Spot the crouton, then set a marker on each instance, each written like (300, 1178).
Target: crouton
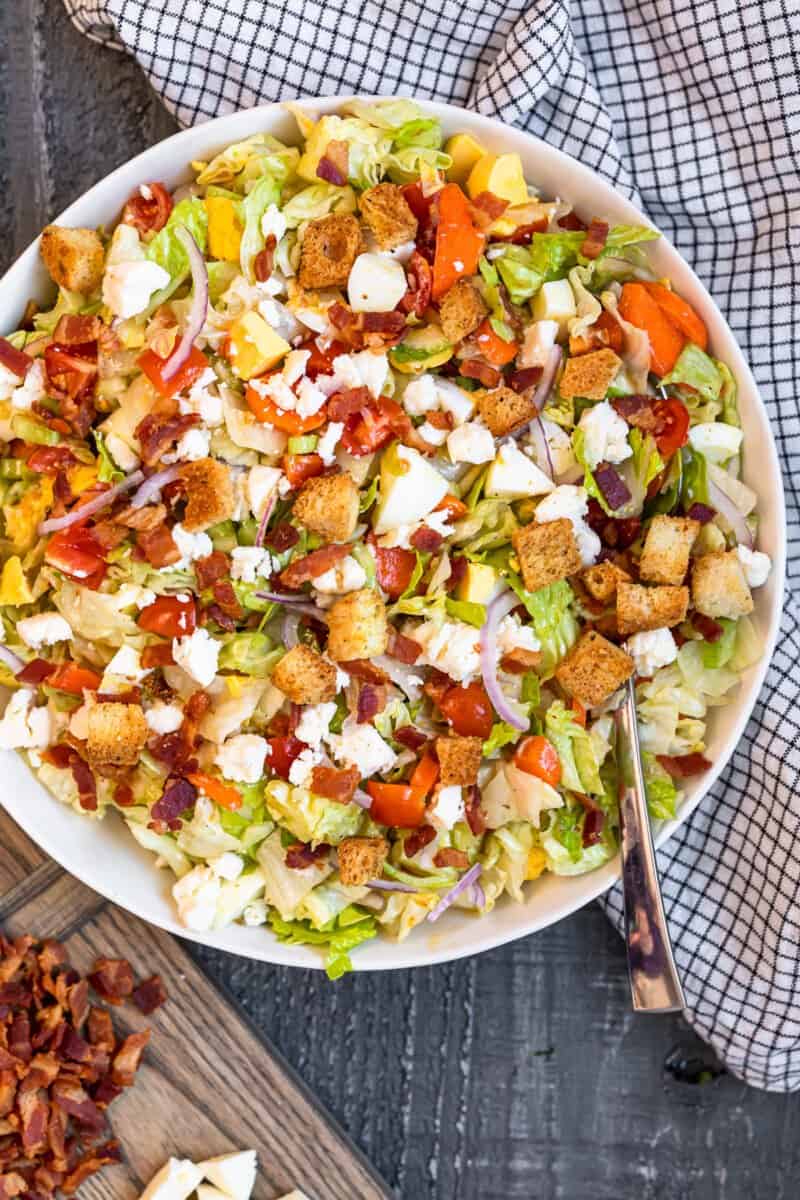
(719, 586)
(589, 375)
(504, 410)
(117, 734)
(74, 257)
(594, 669)
(305, 676)
(602, 579)
(546, 552)
(330, 246)
(640, 608)
(328, 505)
(357, 626)
(209, 493)
(387, 214)
(461, 310)
(361, 859)
(665, 557)
(459, 760)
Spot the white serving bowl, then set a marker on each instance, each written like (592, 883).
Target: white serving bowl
(104, 856)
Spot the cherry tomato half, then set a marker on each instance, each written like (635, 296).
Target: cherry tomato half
(169, 617)
(468, 710)
(538, 756)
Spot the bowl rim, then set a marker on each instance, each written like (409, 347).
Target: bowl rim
(603, 878)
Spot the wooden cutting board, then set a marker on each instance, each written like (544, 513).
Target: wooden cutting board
(209, 1083)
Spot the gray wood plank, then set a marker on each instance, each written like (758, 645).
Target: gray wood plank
(522, 1073)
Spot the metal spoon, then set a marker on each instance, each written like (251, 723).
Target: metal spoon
(655, 985)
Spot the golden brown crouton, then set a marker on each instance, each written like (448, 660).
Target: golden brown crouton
(209, 493)
(546, 552)
(361, 859)
(504, 410)
(594, 669)
(328, 505)
(461, 310)
(117, 734)
(719, 586)
(589, 375)
(640, 608)
(330, 246)
(74, 257)
(387, 214)
(305, 676)
(602, 579)
(665, 557)
(357, 626)
(459, 760)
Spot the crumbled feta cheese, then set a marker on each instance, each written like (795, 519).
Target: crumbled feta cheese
(755, 563)
(428, 392)
(24, 727)
(573, 503)
(192, 445)
(255, 913)
(450, 646)
(364, 369)
(470, 443)
(420, 396)
(32, 388)
(273, 222)
(120, 451)
(198, 654)
(345, 576)
(294, 366)
(196, 895)
(44, 629)
(202, 401)
(448, 808)
(9, 382)
(540, 337)
(402, 534)
(310, 398)
(130, 278)
(242, 757)
(261, 483)
(301, 769)
(130, 594)
(513, 635)
(361, 746)
(228, 866)
(191, 546)
(605, 435)
(326, 446)
(164, 718)
(376, 283)
(432, 434)
(126, 664)
(652, 649)
(314, 722)
(248, 562)
(280, 318)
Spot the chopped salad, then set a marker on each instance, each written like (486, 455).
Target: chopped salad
(343, 489)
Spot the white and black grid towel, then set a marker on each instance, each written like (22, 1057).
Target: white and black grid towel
(691, 108)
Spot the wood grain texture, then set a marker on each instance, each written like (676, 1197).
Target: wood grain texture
(522, 1073)
(207, 1084)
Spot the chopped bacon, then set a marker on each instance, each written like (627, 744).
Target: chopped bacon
(85, 782)
(420, 285)
(311, 565)
(593, 824)
(384, 322)
(403, 648)
(36, 671)
(458, 571)
(149, 995)
(426, 540)
(524, 378)
(126, 1060)
(450, 857)
(365, 670)
(282, 538)
(157, 655)
(523, 234)
(418, 839)
(682, 766)
(178, 795)
(158, 546)
(148, 209)
(68, 1095)
(477, 368)
(371, 701)
(345, 404)
(571, 222)
(12, 1184)
(264, 260)
(15, 361)
(697, 512)
(223, 619)
(474, 814)
(112, 978)
(489, 204)
(616, 532)
(158, 433)
(639, 411)
(410, 737)
(519, 660)
(299, 856)
(595, 240)
(333, 784)
(91, 1162)
(710, 629)
(75, 330)
(101, 1029)
(225, 597)
(333, 166)
(143, 520)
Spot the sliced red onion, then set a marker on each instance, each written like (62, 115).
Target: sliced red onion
(384, 885)
(500, 607)
(468, 879)
(614, 488)
(403, 675)
(10, 659)
(478, 895)
(92, 506)
(728, 510)
(289, 627)
(541, 447)
(701, 512)
(151, 488)
(264, 522)
(361, 798)
(196, 317)
(17, 362)
(299, 606)
(548, 375)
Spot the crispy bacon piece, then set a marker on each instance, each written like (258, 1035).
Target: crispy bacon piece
(36, 671)
(158, 433)
(311, 565)
(519, 660)
(595, 240)
(333, 166)
(571, 222)
(333, 784)
(371, 700)
(157, 655)
(282, 538)
(364, 670)
(211, 568)
(639, 411)
(299, 856)
(143, 520)
(450, 857)
(418, 839)
(178, 795)
(265, 259)
(148, 208)
(92, 1162)
(410, 737)
(478, 368)
(14, 360)
(473, 812)
(345, 404)
(710, 629)
(75, 330)
(125, 1063)
(158, 546)
(524, 379)
(616, 532)
(384, 322)
(593, 824)
(489, 206)
(84, 781)
(149, 995)
(112, 978)
(426, 540)
(403, 648)
(226, 598)
(101, 1029)
(420, 285)
(11, 1185)
(68, 1095)
(683, 766)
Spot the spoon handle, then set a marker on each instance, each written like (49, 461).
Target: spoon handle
(655, 985)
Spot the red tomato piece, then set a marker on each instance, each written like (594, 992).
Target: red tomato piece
(150, 213)
(674, 421)
(152, 365)
(468, 710)
(300, 467)
(321, 361)
(394, 567)
(283, 750)
(69, 677)
(76, 552)
(538, 756)
(290, 422)
(49, 458)
(396, 804)
(169, 617)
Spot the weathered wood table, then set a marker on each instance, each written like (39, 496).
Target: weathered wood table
(519, 1074)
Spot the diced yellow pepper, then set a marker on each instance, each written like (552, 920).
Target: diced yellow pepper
(537, 862)
(81, 478)
(24, 517)
(14, 587)
(224, 228)
(465, 152)
(502, 175)
(255, 347)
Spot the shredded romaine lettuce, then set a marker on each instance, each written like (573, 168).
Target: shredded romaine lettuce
(697, 371)
(340, 939)
(552, 611)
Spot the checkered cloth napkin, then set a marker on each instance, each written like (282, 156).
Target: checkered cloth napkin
(691, 108)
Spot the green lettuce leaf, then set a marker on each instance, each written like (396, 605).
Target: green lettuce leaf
(108, 471)
(502, 735)
(638, 472)
(720, 653)
(552, 611)
(467, 611)
(267, 191)
(662, 795)
(551, 256)
(339, 939)
(696, 370)
(318, 200)
(580, 770)
(165, 248)
(489, 525)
